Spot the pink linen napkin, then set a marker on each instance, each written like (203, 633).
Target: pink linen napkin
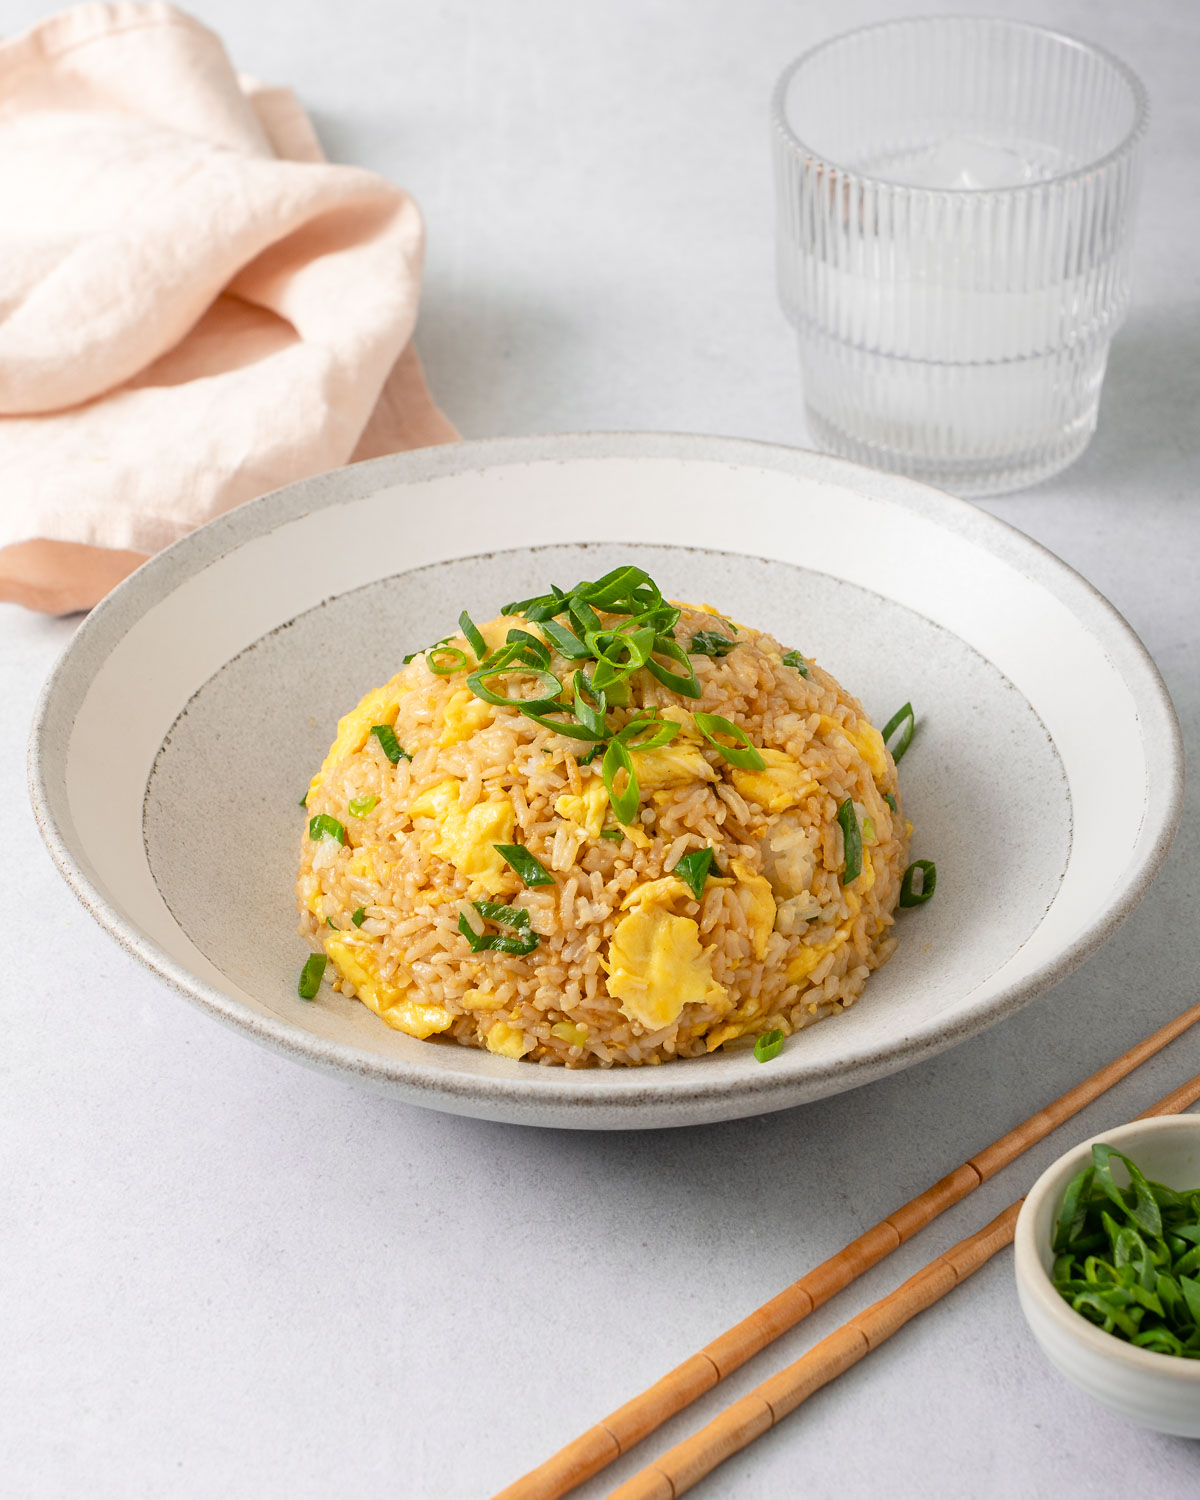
(195, 308)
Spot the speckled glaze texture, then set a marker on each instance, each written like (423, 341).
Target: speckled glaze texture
(176, 735)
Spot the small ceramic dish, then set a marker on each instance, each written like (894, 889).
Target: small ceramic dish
(1161, 1391)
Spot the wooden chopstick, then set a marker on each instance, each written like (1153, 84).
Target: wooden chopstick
(677, 1470)
(594, 1449)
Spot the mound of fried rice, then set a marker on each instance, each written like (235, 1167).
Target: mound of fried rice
(630, 967)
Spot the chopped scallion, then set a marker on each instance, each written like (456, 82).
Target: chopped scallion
(617, 835)
(768, 1045)
(389, 744)
(471, 631)
(852, 841)
(868, 830)
(311, 975)
(891, 801)
(528, 866)
(361, 806)
(304, 800)
(503, 916)
(909, 895)
(483, 942)
(693, 869)
(626, 800)
(794, 659)
(711, 643)
(323, 826)
(444, 661)
(904, 720)
(743, 754)
(329, 922)
(359, 917)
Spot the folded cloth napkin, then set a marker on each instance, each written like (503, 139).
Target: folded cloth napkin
(195, 307)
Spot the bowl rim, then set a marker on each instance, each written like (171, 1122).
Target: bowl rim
(622, 1101)
(1034, 1280)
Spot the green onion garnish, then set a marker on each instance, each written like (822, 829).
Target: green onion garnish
(624, 802)
(746, 757)
(852, 840)
(304, 800)
(528, 866)
(693, 869)
(566, 642)
(361, 806)
(412, 655)
(471, 631)
(444, 661)
(503, 916)
(311, 975)
(903, 716)
(482, 942)
(548, 692)
(617, 835)
(891, 801)
(586, 760)
(794, 659)
(711, 643)
(388, 743)
(329, 922)
(323, 825)
(868, 830)
(1126, 1258)
(928, 871)
(768, 1045)
(359, 917)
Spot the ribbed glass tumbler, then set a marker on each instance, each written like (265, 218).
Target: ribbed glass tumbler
(955, 204)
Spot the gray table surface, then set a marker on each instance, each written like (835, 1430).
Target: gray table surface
(226, 1276)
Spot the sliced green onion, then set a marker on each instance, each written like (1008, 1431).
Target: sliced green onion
(868, 830)
(503, 916)
(852, 841)
(686, 687)
(624, 803)
(361, 806)
(311, 975)
(323, 825)
(693, 869)
(617, 835)
(566, 727)
(388, 743)
(548, 687)
(591, 707)
(530, 649)
(528, 866)
(304, 800)
(471, 631)
(618, 654)
(903, 716)
(329, 922)
(566, 642)
(911, 897)
(359, 917)
(482, 942)
(586, 760)
(659, 732)
(444, 661)
(710, 643)
(794, 659)
(891, 801)
(747, 757)
(412, 655)
(768, 1045)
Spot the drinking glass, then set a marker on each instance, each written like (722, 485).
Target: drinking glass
(955, 200)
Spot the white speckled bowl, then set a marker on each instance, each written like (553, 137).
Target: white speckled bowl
(1160, 1391)
(178, 731)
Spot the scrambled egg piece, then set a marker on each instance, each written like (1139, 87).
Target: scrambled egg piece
(481, 1000)
(754, 895)
(507, 1040)
(588, 810)
(464, 714)
(656, 966)
(782, 783)
(351, 958)
(866, 740)
(367, 863)
(671, 765)
(466, 839)
(380, 706)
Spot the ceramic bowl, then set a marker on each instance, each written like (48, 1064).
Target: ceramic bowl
(185, 719)
(1160, 1391)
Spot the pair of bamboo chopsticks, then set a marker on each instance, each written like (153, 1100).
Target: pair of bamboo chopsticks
(681, 1467)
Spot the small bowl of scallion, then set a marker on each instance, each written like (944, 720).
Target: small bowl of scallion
(1107, 1256)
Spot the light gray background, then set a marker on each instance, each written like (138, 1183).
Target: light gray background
(221, 1275)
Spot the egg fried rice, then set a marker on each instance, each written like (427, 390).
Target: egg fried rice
(417, 888)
